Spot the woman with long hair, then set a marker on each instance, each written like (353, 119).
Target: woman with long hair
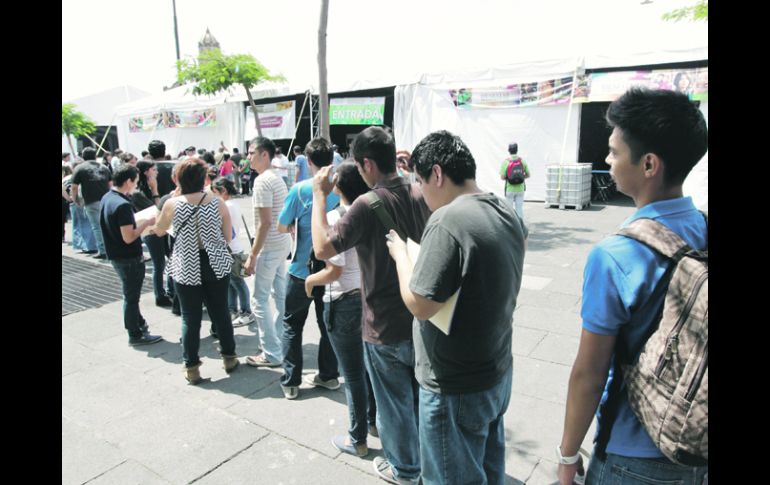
(200, 263)
(147, 195)
(342, 316)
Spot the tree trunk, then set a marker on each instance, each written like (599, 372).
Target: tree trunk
(254, 108)
(323, 111)
(69, 142)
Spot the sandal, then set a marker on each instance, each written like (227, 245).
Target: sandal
(260, 361)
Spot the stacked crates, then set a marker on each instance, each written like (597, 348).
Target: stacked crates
(575, 185)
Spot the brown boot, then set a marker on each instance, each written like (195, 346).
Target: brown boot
(231, 362)
(193, 374)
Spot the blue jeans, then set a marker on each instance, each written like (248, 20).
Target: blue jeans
(462, 437)
(82, 236)
(238, 292)
(131, 273)
(625, 470)
(270, 272)
(343, 325)
(157, 247)
(517, 202)
(297, 308)
(391, 370)
(92, 213)
(191, 298)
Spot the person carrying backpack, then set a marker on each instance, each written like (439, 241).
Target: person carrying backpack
(645, 310)
(514, 170)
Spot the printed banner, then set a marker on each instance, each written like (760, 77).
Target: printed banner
(608, 86)
(548, 92)
(173, 119)
(277, 120)
(357, 111)
(595, 87)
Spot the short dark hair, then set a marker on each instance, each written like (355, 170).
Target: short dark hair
(64, 155)
(117, 152)
(513, 148)
(350, 182)
(235, 150)
(663, 122)
(191, 175)
(126, 157)
(223, 184)
(190, 149)
(226, 156)
(319, 152)
(208, 157)
(297, 149)
(447, 151)
(89, 153)
(124, 173)
(145, 153)
(157, 149)
(376, 144)
(264, 144)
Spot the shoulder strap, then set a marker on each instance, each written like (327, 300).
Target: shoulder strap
(179, 229)
(658, 237)
(376, 204)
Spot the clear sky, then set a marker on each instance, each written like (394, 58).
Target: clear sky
(109, 43)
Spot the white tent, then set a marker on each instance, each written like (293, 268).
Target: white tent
(100, 107)
(546, 134)
(227, 126)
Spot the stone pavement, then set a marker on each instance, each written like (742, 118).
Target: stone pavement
(128, 415)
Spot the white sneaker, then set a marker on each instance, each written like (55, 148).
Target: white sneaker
(247, 319)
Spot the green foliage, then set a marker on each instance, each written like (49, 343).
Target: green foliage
(75, 123)
(697, 12)
(214, 72)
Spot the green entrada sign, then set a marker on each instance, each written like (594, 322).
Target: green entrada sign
(357, 111)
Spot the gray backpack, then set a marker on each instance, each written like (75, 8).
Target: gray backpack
(668, 386)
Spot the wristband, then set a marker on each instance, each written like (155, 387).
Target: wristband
(566, 460)
(155, 196)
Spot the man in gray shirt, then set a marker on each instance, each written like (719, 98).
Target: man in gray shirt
(474, 242)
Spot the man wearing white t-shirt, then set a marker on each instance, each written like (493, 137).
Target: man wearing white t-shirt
(281, 165)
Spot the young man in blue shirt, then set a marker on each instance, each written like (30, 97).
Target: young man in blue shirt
(298, 209)
(657, 138)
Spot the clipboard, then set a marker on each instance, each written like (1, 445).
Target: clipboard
(145, 215)
(443, 319)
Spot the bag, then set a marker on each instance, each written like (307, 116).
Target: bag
(668, 386)
(238, 267)
(514, 175)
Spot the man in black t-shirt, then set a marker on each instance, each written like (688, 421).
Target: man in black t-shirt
(92, 179)
(124, 250)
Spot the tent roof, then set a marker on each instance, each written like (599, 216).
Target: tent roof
(100, 107)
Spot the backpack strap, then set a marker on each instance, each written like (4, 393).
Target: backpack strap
(657, 236)
(376, 205)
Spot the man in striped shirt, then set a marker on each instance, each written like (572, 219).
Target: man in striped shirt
(267, 260)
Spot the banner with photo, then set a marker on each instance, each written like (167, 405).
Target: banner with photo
(173, 119)
(277, 120)
(595, 87)
(357, 111)
(609, 86)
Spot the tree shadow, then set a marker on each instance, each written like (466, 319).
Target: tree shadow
(546, 236)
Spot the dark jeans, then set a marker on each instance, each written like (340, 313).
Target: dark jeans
(343, 323)
(623, 469)
(157, 247)
(131, 273)
(191, 298)
(297, 307)
(65, 210)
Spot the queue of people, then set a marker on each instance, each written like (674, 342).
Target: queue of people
(435, 395)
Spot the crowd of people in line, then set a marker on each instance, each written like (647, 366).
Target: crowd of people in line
(436, 398)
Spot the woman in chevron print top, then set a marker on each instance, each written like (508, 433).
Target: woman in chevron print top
(200, 263)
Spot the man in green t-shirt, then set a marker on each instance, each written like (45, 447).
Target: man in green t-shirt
(465, 374)
(515, 192)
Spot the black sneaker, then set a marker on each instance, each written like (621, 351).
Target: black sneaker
(100, 256)
(163, 301)
(145, 339)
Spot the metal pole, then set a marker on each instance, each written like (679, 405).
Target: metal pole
(176, 31)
